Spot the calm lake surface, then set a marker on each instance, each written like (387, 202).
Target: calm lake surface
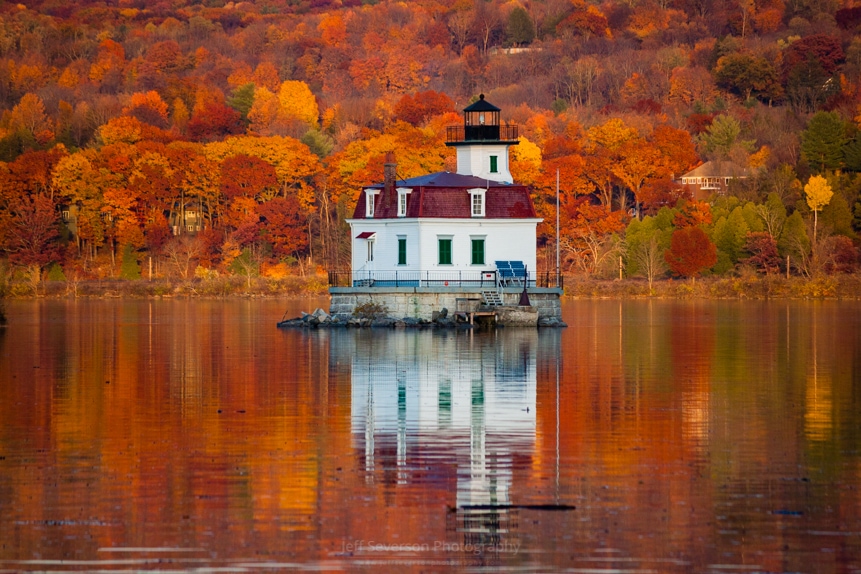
(649, 436)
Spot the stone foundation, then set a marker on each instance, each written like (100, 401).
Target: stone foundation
(421, 303)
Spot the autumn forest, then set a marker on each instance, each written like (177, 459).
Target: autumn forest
(196, 139)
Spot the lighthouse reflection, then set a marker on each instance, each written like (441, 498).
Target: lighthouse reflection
(445, 402)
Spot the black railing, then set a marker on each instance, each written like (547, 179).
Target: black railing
(481, 133)
(488, 279)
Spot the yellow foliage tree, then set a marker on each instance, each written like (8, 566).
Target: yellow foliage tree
(603, 146)
(263, 112)
(525, 162)
(818, 194)
(69, 78)
(29, 116)
(758, 159)
(180, 115)
(612, 134)
(296, 101)
(77, 178)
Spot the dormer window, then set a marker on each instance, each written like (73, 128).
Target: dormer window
(477, 202)
(403, 196)
(370, 200)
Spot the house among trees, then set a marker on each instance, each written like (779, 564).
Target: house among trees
(712, 178)
(188, 218)
(446, 227)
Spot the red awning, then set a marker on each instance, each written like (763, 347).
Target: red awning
(366, 235)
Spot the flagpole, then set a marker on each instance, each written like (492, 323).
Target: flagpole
(557, 227)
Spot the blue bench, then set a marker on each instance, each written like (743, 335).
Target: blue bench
(511, 272)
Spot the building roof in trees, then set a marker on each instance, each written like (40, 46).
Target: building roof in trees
(446, 195)
(717, 169)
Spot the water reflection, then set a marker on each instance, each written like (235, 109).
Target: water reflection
(690, 436)
(447, 398)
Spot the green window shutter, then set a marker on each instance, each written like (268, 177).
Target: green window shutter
(478, 251)
(402, 251)
(493, 164)
(445, 251)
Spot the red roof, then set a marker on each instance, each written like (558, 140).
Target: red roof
(445, 195)
(366, 234)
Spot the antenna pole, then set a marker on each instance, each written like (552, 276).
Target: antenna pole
(557, 227)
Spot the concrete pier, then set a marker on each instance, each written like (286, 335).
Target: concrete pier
(422, 302)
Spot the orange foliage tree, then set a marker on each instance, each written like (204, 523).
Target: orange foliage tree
(149, 108)
(418, 109)
(587, 232)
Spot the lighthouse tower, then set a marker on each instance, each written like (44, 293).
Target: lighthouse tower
(482, 143)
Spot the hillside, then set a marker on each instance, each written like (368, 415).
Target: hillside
(233, 138)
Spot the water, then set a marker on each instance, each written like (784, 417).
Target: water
(647, 437)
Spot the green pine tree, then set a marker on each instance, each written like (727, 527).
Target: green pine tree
(55, 273)
(242, 99)
(520, 29)
(823, 140)
(130, 268)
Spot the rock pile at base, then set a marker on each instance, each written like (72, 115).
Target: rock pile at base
(439, 319)
(321, 318)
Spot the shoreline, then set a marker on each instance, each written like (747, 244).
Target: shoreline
(747, 286)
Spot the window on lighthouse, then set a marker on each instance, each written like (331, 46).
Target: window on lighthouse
(477, 251)
(370, 201)
(494, 164)
(402, 250)
(444, 250)
(477, 201)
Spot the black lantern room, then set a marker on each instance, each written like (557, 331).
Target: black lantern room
(481, 124)
(481, 120)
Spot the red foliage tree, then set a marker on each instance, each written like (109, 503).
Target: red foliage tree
(698, 123)
(659, 193)
(647, 106)
(762, 247)
(246, 176)
(284, 225)
(155, 187)
(35, 229)
(848, 18)
(841, 255)
(214, 121)
(690, 252)
(166, 57)
(156, 234)
(826, 49)
(211, 240)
